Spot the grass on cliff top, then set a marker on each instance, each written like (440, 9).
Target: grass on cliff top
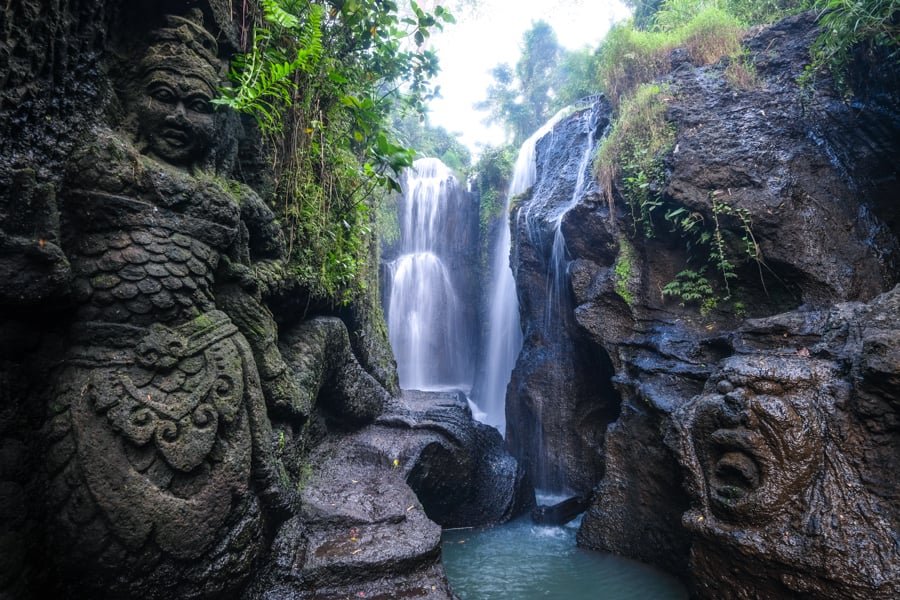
(630, 57)
(634, 151)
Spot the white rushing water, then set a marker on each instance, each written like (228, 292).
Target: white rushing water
(425, 316)
(556, 273)
(504, 339)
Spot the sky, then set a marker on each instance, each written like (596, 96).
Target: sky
(490, 34)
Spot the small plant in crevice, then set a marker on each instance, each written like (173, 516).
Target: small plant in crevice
(623, 272)
(693, 287)
(715, 250)
(741, 72)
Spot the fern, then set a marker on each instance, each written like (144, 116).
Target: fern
(264, 78)
(274, 13)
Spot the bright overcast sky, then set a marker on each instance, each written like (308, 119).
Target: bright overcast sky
(492, 34)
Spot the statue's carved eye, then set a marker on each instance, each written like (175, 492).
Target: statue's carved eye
(200, 105)
(163, 94)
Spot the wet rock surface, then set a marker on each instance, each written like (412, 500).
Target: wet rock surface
(555, 388)
(561, 512)
(373, 502)
(744, 450)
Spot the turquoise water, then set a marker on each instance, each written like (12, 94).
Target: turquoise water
(524, 561)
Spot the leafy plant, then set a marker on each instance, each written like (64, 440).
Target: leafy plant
(321, 79)
(709, 248)
(623, 271)
(633, 153)
(741, 72)
(692, 287)
(264, 82)
(868, 26)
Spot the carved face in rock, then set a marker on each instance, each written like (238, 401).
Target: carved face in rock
(175, 116)
(171, 97)
(757, 434)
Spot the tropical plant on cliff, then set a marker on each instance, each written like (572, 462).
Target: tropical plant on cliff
(630, 161)
(321, 78)
(865, 28)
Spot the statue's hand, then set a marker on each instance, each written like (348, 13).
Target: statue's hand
(238, 273)
(32, 264)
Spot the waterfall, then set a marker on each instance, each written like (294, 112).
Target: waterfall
(504, 336)
(427, 320)
(550, 391)
(556, 272)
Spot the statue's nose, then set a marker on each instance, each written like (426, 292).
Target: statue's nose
(180, 110)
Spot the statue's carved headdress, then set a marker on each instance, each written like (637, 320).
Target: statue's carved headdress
(183, 45)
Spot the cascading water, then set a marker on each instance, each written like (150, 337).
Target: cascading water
(504, 338)
(550, 397)
(427, 321)
(556, 273)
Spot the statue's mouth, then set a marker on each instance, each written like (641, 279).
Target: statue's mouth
(735, 472)
(175, 137)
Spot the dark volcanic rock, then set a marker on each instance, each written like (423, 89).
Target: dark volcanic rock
(373, 502)
(458, 467)
(789, 458)
(771, 152)
(560, 513)
(361, 530)
(556, 390)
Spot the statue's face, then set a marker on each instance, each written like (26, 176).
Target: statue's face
(175, 116)
(758, 434)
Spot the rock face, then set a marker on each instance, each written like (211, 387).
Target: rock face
(732, 451)
(168, 426)
(555, 388)
(789, 457)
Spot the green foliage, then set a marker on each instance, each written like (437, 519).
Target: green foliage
(867, 26)
(435, 142)
(630, 57)
(633, 153)
(321, 78)
(712, 248)
(741, 72)
(535, 71)
(520, 97)
(692, 287)
(762, 12)
(623, 271)
(264, 82)
(632, 157)
(387, 220)
(643, 11)
(492, 174)
(670, 14)
(711, 35)
(574, 78)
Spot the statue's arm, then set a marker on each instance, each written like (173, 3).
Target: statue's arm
(266, 245)
(33, 267)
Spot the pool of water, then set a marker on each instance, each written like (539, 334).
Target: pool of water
(525, 561)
